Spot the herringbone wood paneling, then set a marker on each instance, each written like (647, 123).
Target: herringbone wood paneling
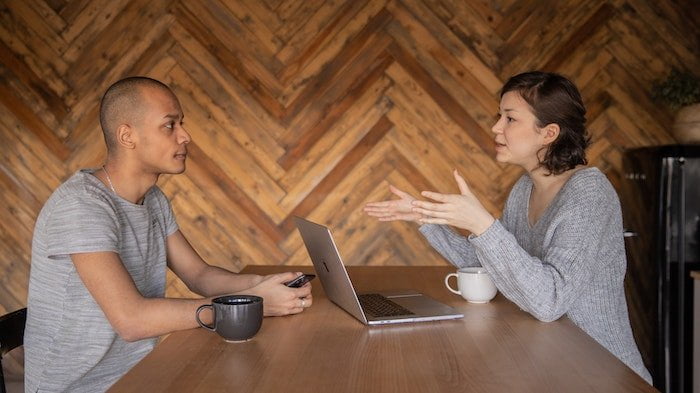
(311, 107)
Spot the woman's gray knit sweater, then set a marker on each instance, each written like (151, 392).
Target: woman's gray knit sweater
(571, 262)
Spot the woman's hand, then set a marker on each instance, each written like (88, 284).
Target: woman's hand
(459, 210)
(280, 299)
(397, 209)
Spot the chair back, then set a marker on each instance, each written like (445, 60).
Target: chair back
(11, 336)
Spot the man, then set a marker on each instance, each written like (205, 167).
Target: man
(101, 246)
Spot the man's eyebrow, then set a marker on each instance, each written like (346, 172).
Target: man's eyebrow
(173, 116)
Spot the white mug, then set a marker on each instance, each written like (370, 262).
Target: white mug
(474, 283)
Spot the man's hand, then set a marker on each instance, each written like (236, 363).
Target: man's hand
(279, 299)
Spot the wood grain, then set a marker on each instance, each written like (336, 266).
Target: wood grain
(495, 348)
(313, 107)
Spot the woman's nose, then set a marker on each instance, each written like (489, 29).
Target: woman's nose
(497, 128)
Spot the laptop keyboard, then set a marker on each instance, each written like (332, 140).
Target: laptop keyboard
(377, 306)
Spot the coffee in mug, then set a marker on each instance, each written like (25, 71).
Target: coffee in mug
(236, 318)
(474, 283)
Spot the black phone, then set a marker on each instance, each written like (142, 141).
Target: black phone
(300, 281)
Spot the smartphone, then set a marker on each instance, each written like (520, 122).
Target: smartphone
(300, 281)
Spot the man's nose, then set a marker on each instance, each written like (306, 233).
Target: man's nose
(185, 137)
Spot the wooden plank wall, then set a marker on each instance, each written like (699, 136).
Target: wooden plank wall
(311, 107)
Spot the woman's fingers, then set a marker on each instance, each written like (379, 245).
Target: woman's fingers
(400, 216)
(381, 204)
(431, 213)
(435, 196)
(461, 183)
(399, 193)
(377, 208)
(379, 214)
(438, 221)
(430, 205)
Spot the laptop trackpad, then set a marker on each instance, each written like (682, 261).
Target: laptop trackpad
(418, 303)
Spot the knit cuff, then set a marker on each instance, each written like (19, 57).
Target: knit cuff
(491, 236)
(429, 230)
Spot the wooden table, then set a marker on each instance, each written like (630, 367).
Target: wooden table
(496, 347)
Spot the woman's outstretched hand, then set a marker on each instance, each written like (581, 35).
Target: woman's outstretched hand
(394, 210)
(461, 210)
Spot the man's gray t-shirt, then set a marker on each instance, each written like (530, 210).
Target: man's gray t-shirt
(69, 343)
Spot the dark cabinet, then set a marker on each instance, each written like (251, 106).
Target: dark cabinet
(660, 197)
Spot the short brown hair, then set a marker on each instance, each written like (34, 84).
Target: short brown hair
(123, 99)
(555, 100)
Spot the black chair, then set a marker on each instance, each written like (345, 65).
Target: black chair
(11, 336)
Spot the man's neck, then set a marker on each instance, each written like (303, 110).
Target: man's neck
(128, 182)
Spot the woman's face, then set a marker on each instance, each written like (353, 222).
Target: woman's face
(518, 139)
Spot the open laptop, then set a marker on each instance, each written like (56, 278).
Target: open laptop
(370, 309)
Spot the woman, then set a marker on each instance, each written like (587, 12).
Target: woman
(558, 248)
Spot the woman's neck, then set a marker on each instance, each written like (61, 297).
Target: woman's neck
(541, 181)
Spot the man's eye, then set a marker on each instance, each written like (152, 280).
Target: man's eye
(170, 125)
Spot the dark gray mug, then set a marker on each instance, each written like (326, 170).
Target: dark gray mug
(236, 317)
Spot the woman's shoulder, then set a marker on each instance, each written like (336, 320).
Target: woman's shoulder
(589, 178)
(590, 184)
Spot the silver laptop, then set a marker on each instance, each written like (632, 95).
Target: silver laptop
(370, 309)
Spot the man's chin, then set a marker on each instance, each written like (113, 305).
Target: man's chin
(174, 170)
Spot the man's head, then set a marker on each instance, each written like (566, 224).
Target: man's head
(123, 103)
(142, 118)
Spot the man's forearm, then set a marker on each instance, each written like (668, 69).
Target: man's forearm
(214, 281)
(153, 317)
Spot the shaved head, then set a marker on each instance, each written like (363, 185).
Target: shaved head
(123, 103)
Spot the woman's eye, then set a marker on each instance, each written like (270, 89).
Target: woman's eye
(509, 119)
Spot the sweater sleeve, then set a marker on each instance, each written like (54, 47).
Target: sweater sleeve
(456, 248)
(451, 245)
(547, 286)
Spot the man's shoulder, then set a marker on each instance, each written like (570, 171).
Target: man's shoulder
(82, 184)
(79, 190)
(156, 199)
(157, 193)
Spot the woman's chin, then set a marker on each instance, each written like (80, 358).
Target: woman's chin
(502, 158)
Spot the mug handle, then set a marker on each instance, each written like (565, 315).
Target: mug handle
(199, 321)
(447, 283)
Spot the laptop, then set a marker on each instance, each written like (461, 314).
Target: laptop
(370, 309)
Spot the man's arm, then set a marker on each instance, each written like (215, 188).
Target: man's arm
(133, 316)
(200, 277)
(208, 280)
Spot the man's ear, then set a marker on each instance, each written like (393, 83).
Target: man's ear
(125, 136)
(550, 133)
